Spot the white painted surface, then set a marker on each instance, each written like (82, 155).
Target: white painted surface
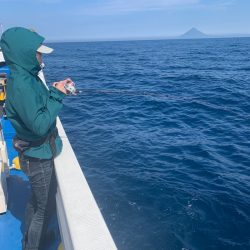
(4, 173)
(1, 57)
(81, 223)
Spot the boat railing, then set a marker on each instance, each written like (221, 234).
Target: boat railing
(80, 221)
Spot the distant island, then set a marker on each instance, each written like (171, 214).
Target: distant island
(193, 34)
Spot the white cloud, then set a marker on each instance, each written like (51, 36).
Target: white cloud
(119, 6)
(138, 5)
(49, 1)
(32, 1)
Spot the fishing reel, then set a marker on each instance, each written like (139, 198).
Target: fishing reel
(71, 89)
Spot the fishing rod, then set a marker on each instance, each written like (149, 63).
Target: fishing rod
(71, 90)
(124, 92)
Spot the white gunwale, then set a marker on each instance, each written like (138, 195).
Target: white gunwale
(81, 223)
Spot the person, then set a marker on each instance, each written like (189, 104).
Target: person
(32, 109)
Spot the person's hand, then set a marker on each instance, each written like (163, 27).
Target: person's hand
(60, 85)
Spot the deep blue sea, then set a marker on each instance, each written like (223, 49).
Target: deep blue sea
(165, 144)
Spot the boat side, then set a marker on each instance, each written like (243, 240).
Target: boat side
(81, 223)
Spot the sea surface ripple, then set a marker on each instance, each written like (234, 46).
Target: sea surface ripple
(166, 154)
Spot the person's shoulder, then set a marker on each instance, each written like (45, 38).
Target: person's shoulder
(25, 84)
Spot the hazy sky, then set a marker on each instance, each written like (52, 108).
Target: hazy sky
(105, 19)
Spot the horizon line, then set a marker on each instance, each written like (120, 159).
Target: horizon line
(154, 38)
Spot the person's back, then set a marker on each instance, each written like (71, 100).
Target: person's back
(32, 110)
(30, 107)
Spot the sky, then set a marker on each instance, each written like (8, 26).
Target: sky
(125, 19)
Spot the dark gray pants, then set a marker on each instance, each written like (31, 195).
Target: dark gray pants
(42, 204)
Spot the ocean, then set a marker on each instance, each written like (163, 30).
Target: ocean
(162, 133)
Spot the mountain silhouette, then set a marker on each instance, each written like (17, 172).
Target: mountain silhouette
(193, 33)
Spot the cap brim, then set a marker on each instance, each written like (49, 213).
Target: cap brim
(44, 49)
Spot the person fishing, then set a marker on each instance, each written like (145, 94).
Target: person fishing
(32, 109)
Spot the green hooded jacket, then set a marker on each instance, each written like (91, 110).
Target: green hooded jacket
(31, 108)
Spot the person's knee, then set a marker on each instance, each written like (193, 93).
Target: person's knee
(40, 214)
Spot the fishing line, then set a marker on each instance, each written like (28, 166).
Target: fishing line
(129, 93)
(122, 92)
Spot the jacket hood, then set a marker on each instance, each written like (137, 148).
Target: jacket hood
(19, 46)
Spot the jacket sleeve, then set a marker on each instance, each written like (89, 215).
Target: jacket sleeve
(38, 115)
